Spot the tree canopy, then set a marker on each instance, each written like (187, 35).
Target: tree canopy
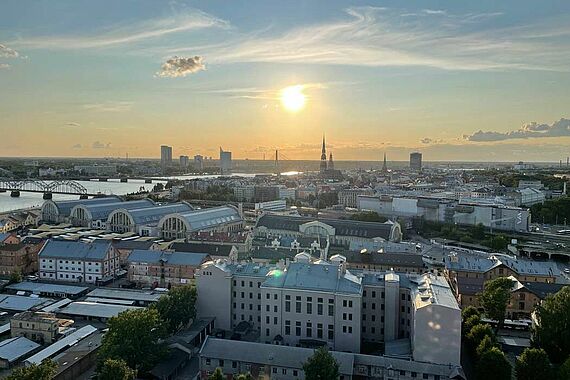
(552, 332)
(44, 371)
(217, 375)
(321, 366)
(495, 298)
(134, 336)
(368, 216)
(178, 307)
(533, 364)
(493, 365)
(116, 369)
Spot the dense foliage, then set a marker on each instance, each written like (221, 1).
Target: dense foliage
(134, 336)
(178, 307)
(552, 332)
(368, 216)
(493, 365)
(533, 364)
(465, 234)
(44, 371)
(116, 369)
(321, 366)
(495, 298)
(554, 211)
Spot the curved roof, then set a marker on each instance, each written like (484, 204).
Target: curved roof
(100, 211)
(152, 214)
(64, 207)
(207, 218)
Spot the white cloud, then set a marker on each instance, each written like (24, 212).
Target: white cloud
(6, 52)
(180, 67)
(4, 66)
(374, 37)
(100, 145)
(128, 34)
(559, 128)
(120, 106)
(72, 124)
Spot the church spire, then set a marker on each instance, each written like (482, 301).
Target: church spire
(384, 166)
(323, 165)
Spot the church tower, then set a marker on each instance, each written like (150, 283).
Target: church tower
(323, 157)
(384, 166)
(331, 163)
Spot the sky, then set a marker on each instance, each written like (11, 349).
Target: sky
(471, 81)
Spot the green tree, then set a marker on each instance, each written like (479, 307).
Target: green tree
(564, 370)
(15, 276)
(245, 376)
(116, 369)
(217, 375)
(134, 336)
(486, 344)
(478, 333)
(493, 365)
(468, 324)
(533, 364)
(495, 298)
(178, 307)
(321, 366)
(478, 232)
(44, 371)
(368, 216)
(552, 332)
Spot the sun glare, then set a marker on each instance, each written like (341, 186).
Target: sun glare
(292, 98)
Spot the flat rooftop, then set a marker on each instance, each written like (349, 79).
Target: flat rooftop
(132, 295)
(95, 310)
(41, 287)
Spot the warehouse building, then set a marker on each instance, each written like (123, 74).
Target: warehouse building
(217, 219)
(96, 215)
(143, 221)
(60, 211)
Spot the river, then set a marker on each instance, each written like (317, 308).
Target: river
(112, 186)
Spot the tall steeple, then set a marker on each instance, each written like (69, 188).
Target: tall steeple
(323, 157)
(384, 166)
(331, 163)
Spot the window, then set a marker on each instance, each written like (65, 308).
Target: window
(403, 297)
(373, 294)
(275, 320)
(309, 308)
(319, 330)
(287, 327)
(220, 363)
(284, 371)
(425, 376)
(320, 309)
(287, 306)
(275, 308)
(234, 364)
(298, 328)
(298, 306)
(344, 303)
(331, 332)
(331, 310)
(296, 373)
(414, 374)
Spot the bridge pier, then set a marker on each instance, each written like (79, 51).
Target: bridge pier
(48, 195)
(15, 193)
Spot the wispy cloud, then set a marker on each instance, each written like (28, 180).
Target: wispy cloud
(180, 67)
(6, 52)
(560, 128)
(72, 124)
(100, 145)
(120, 35)
(373, 37)
(268, 93)
(120, 106)
(77, 146)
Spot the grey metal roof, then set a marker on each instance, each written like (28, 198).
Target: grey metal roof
(124, 294)
(43, 288)
(95, 310)
(61, 344)
(395, 259)
(62, 249)
(132, 244)
(152, 214)
(14, 348)
(64, 207)
(20, 303)
(209, 248)
(101, 211)
(267, 354)
(316, 277)
(477, 263)
(210, 217)
(342, 227)
(172, 258)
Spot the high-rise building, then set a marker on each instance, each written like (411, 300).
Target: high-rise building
(225, 162)
(323, 158)
(184, 161)
(416, 161)
(165, 155)
(198, 162)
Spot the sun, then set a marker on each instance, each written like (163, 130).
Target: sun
(293, 99)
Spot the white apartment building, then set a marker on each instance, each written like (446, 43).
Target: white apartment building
(78, 262)
(348, 197)
(308, 304)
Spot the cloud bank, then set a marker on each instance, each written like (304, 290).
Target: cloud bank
(559, 128)
(100, 145)
(180, 67)
(6, 52)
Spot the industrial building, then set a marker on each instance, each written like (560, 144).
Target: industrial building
(60, 211)
(96, 215)
(337, 231)
(180, 225)
(143, 221)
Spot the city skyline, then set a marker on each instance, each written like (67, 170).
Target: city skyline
(467, 82)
